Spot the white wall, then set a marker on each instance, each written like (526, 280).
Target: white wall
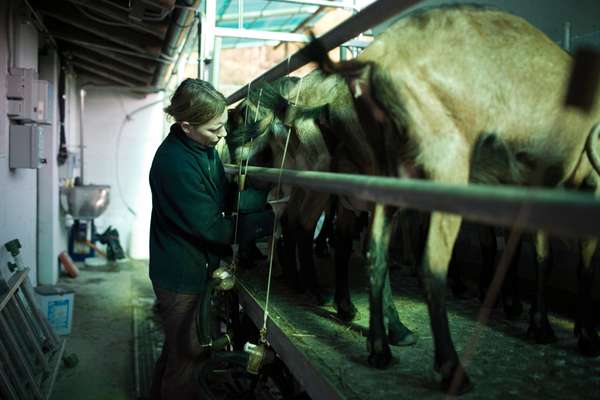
(18, 188)
(115, 144)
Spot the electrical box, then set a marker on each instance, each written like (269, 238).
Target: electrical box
(28, 98)
(26, 146)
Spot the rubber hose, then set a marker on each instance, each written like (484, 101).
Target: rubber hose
(239, 358)
(203, 322)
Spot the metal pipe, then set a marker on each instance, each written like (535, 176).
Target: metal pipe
(189, 41)
(209, 37)
(286, 12)
(567, 37)
(216, 64)
(277, 36)
(554, 211)
(326, 3)
(365, 19)
(40, 23)
(201, 27)
(182, 21)
(81, 146)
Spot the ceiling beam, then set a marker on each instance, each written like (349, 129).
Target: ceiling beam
(157, 4)
(117, 69)
(106, 75)
(85, 39)
(99, 10)
(144, 67)
(121, 36)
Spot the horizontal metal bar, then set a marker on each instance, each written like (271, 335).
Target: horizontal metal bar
(278, 36)
(284, 12)
(551, 210)
(258, 34)
(350, 28)
(327, 3)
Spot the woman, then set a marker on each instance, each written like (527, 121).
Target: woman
(189, 228)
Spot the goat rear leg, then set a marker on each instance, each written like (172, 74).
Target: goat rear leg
(585, 326)
(539, 326)
(511, 300)
(308, 272)
(398, 333)
(443, 230)
(377, 342)
(346, 310)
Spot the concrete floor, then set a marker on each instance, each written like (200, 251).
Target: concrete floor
(101, 335)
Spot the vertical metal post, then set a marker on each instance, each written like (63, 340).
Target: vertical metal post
(208, 31)
(81, 142)
(200, 68)
(567, 37)
(215, 66)
(343, 53)
(240, 14)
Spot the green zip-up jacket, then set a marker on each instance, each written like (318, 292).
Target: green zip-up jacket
(189, 228)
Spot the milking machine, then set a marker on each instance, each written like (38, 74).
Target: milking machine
(235, 368)
(230, 371)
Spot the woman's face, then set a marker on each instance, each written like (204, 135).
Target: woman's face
(207, 134)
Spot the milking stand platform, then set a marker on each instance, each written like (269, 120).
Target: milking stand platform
(329, 358)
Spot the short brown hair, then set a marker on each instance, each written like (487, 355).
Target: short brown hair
(196, 101)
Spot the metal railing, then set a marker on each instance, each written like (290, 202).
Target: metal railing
(551, 210)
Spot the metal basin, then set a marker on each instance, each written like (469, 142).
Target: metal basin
(85, 202)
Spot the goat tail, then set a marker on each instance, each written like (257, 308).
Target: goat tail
(591, 147)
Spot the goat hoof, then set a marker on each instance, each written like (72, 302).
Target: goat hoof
(453, 379)
(346, 311)
(401, 336)
(540, 329)
(380, 355)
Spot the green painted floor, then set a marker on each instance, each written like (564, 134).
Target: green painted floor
(101, 334)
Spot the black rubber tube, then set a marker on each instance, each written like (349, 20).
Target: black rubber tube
(203, 321)
(238, 358)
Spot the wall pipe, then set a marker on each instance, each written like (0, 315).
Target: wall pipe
(182, 21)
(554, 211)
(367, 18)
(81, 145)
